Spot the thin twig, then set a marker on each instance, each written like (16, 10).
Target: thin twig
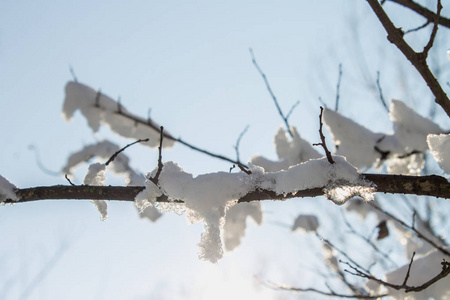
(418, 28)
(409, 269)
(313, 290)
(149, 123)
(380, 91)
(418, 233)
(428, 46)
(39, 162)
(367, 240)
(322, 137)
(236, 147)
(67, 178)
(292, 109)
(424, 12)
(418, 60)
(269, 89)
(160, 164)
(111, 159)
(72, 72)
(338, 88)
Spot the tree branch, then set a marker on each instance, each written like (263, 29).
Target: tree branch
(418, 60)
(433, 185)
(424, 12)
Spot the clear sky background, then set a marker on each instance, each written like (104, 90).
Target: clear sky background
(187, 61)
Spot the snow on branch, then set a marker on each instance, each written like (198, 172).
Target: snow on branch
(100, 109)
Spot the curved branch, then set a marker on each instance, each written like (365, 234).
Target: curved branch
(433, 185)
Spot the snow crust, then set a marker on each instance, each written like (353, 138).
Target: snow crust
(83, 98)
(96, 176)
(290, 152)
(207, 197)
(7, 190)
(440, 149)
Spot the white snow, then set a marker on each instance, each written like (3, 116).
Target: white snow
(7, 190)
(410, 128)
(235, 222)
(96, 176)
(207, 197)
(440, 149)
(83, 98)
(290, 151)
(352, 140)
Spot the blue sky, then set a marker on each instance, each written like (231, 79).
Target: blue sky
(189, 62)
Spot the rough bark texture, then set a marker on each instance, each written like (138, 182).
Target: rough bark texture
(435, 186)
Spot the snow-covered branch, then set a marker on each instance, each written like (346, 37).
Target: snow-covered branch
(433, 185)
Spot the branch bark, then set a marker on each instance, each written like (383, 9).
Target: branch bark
(423, 11)
(417, 59)
(433, 185)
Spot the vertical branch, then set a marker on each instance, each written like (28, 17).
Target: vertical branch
(269, 89)
(322, 138)
(380, 91)
(160, 164)
(338, 87)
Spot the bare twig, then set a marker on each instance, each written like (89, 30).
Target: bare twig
(39, 162)
(292, 109)
(67, 178)
(418, 60)
(241, 167)
(72, 72)
(428, 46)
(409, 269)
(417, 232)
(444, 273)
(338, 88)
(380, 91)
(236, 147)
(313, 290)
(418, 28)
(322, 102)
(149, 123)
(424, 12)
(160, 164)
(322, 138)
(269, 89)
(368, 241)
(111, 159)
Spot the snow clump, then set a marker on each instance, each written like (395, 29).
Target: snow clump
(7, 190)
(96, 176)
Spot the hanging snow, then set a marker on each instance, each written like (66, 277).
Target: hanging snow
(99, 109)
(440, 149)
(7, 190)
(96, 176)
